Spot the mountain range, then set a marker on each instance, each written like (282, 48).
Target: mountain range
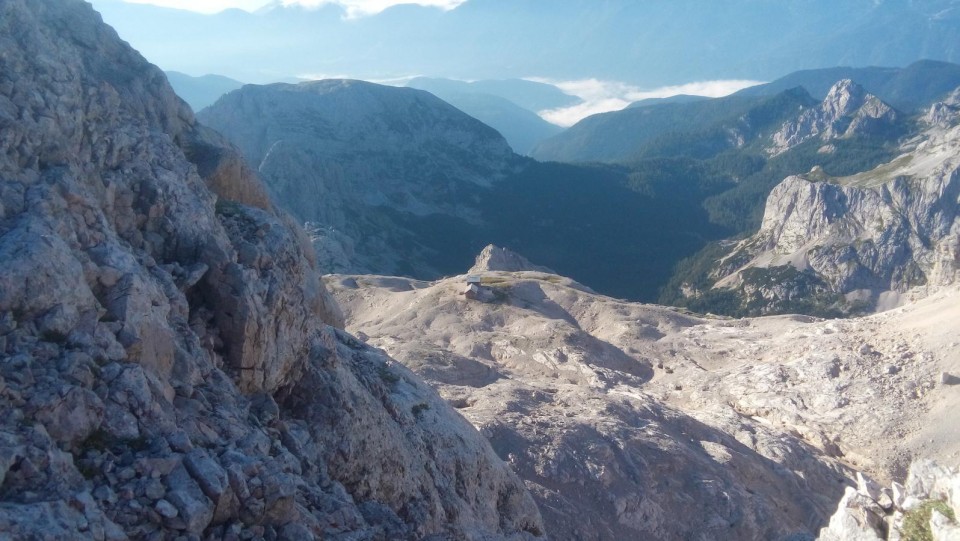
(396, 181)
(649, 44)
(176, 361)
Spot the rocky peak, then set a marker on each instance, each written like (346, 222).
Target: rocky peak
(847, 111)
(495, 258)
(166, 367)
(869, 237)
(945, 113)
(844, 99)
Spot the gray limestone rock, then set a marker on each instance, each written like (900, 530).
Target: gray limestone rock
(867, 239)
(848, 110)
(942, 528)
(150, 289)
(495, 258)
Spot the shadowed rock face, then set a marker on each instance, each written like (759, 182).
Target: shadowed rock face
(166, 364)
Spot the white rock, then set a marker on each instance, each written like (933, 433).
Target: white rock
(942, 528)
(868, 487)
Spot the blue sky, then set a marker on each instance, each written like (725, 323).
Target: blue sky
(354, 7)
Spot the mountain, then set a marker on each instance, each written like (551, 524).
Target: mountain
(359, 159)
(914, 87)
(846, 112)
(622, 416)
(647, 44)
(872, 238)
(530, 95)
(521, 127)
(200, 92)
(396, 181)
(621, 136)
(171, 366)
(679, 98)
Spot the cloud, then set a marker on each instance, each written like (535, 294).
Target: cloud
(207, 6)
(605, 96)
(360, 8)
(355, 8)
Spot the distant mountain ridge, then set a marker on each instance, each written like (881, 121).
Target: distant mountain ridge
(621, 136)
(530, 95)
(508, 106)
(913, 87)
(869, 238)
(652, 40)
(349, 153)
(396, 181)
(202, 91)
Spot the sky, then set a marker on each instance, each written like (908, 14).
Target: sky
(355, 8)
(599, 96)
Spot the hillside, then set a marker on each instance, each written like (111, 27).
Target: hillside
(171, 363)
(521, 127)
(872, 239)
(624, 136)
(620, 416)
(396, 181)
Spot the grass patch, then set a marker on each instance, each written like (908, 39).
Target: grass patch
(916, 523)
(418, 409)
(387, 375)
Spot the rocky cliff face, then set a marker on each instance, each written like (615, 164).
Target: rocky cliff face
(166, 367)
(847, 111)
(872, 236)
(357, 159)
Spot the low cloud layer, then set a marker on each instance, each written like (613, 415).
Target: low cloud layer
(605, 96)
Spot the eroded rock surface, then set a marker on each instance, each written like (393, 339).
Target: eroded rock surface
(848, 110)
(926, 507)
(622, 416)
(166, 364)
(869, 238)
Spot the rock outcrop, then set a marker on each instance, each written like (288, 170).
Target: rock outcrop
(495, 258)
(870, 237)
(925, 507)
(847, 111)
(166, 367)
(364, 164)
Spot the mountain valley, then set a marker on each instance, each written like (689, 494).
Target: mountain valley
(328, 308)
